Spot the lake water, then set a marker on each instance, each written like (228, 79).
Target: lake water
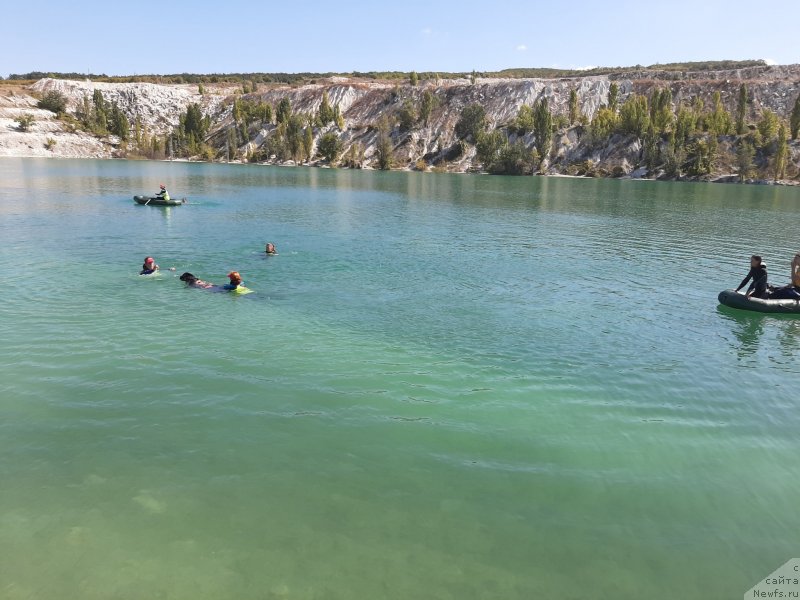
(445, 386)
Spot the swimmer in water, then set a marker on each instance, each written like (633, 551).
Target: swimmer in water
(193, 281)
(270, 249)
(149, 267)
(235, 281)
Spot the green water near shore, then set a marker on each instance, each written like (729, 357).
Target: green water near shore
(444, 386)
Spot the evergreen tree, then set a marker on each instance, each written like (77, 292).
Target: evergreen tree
(407, 115)
(426, 106)
(634, 117)
(543, 127)
(719, 121)
(781, 153)
(603, 125)
(661, 110)
(574, 112)
(768, 126)
(741, 110)
(330, 147)
(54, 101)
(488, 148)
(744, 159)
(794, 121)
(613, 97)
(119, 123)
(651, 149)
(338, 118)
(100, 112)
(194, 123)
(326, 114)
(385, 147)
(308, 143)
(413, 79)
(524, 121)
(471, 122)
(294, 137)
(284, 110)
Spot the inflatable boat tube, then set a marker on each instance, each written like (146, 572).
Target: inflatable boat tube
(734, 299)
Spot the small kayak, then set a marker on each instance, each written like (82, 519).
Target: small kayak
(734, 299)
(154, 201)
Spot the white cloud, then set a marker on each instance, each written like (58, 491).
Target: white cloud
(586, 68)
(522, 48)
(427, 31)
(770, 61)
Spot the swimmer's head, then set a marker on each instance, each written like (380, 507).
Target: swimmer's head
(235, 278)
(188, 278)
(149, 260)
(270, 248)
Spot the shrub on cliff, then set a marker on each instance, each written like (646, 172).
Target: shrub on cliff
(24, 122)
(53, 101)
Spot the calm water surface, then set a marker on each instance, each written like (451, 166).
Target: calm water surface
(455, 387)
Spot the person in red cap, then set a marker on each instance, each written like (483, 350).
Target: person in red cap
(149, 267)
(163, 194)
(236, 281)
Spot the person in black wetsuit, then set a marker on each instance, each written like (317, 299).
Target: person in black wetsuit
(758, 273)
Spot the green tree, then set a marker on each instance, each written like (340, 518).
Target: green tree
(385, 147)
(685, 125)
(768, 126)
(634, 116)
(741, 110)
(719, 121)
(200, 89)
(326, 114)
(413, 79)
(700, 157)
(284, 111)
(194, 123)
(294, 137)
(53, 101)
(119, 126)
(574, 111)
(661, 110)
(488, 148)
(427, 104)
(794, 121)
(543, 127)
(329, 147)
(308, 143)
(651, 152)
(407, 115)
(524, 121)
(613, 96)
(473, 77)
(781, 153)
(100, 112)
(744, 159)
(602, 126)
(471, 122)
(338, 117)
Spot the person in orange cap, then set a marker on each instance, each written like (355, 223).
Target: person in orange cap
(236, 281)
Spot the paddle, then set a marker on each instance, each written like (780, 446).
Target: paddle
(148, 201)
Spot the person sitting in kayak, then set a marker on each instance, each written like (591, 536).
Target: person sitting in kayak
(149, 267)
(270, 249)
(236, 281)
(163, 194)
(758, 273)
(796, 271)
(193, 281)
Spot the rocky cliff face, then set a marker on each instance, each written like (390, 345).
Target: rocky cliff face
(362, 104)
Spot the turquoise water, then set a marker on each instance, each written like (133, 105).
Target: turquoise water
(445, 386)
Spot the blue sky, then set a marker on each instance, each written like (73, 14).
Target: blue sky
(147, 36)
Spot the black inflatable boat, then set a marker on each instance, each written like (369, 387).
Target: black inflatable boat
(734, 299)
